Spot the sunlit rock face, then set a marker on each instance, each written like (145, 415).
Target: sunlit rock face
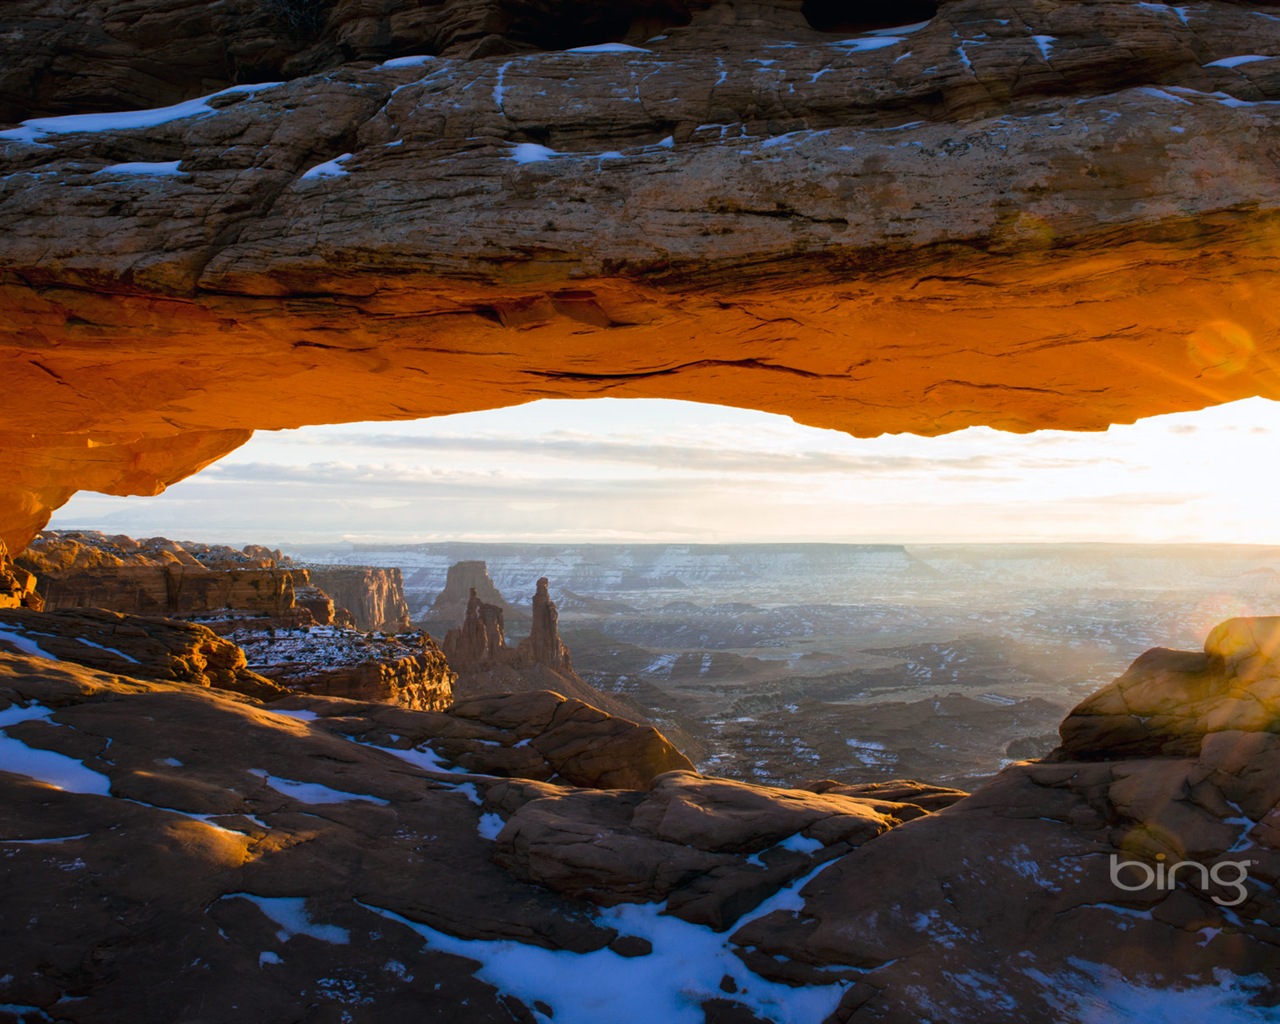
(1022, 214)
(1145, 849)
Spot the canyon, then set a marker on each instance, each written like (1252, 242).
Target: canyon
(236, 606)
(250, 216)
(536, 823)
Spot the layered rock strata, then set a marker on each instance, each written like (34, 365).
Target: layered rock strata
(477, 650)
(162, 577)
(322, 839)
(136, 646)
(743, 209)
(407, 669)
(374, 597)
(464, 580)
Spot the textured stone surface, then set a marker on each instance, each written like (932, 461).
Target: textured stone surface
(141, 914)
(404, 669)
(999, 907)
(1168, 702)
(373, 596)
(147, 648)
(711, 848)
(539, 735)
(791, 224)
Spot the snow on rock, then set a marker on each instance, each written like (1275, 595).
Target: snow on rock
(415, 61)
(25, 644)
(1234, 62)
(311, 792)
(329, 169)
(143, 168)
(123, 120)
(53, 769)
(670, 984)
(1045, 43)
(531, 153)
(608, 48)
(109, 650)
(869, 43)
(290, 914)
(490, 825)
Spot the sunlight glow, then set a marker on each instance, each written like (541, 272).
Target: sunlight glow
(650, 470)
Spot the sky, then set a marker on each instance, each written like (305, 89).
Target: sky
(650, 470)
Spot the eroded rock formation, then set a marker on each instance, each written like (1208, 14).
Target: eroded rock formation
(465, 580)
(1174, 762)
(407, 669)
(273, 614)
(133, 645)
(1022, 214)
(17, 585)
(477, 650)
(373, 596)
(485, 824)
(1173, 703)
(158, 576)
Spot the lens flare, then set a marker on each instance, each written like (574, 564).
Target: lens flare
(1220, 348)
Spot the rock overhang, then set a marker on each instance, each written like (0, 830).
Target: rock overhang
(1022, 215)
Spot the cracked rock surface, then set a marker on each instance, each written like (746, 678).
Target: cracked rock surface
(1023, 214)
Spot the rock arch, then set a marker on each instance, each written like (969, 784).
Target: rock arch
(1065, 220)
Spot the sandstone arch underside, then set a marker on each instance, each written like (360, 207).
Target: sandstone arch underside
(1024, 214)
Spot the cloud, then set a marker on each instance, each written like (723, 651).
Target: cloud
(697, 456)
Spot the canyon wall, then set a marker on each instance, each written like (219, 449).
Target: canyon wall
(373, 596)
(1019, 214)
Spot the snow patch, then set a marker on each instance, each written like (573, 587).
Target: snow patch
(531, 153)
(124, 120)
(1235, 62)
(869, 43)
(668, 985)
(490, 825)
(301, 715)
(1092, 991)
(143, 168)
(53, 769)
(109, 650)
(25, 645)
(329, 169)
(289, 914)
(407, 62)
(312, 792)
(608, 48)
(1045, 43)
(800, 844)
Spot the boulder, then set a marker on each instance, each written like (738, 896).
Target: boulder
(1168, 702)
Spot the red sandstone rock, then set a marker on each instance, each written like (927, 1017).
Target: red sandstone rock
(133, 645)
(477, 650)
(404, 669)
(828, 236)
(464, 579)
(373, 596)
(1169, 702)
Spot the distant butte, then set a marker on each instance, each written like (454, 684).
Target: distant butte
(1020, 214)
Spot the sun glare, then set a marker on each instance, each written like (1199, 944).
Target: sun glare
(639, 470)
